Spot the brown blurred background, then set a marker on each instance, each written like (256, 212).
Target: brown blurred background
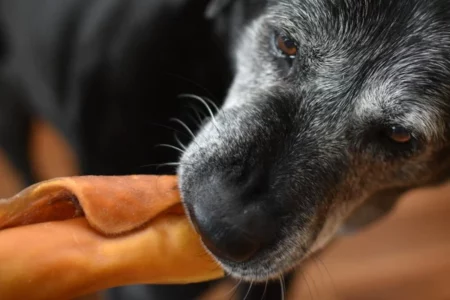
(404, 256)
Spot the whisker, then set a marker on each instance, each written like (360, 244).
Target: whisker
(162, 165)
(190, 135)
(265, 290)
(314, 286)
(283, 288)
(171, 129)
(198, 98)
(233, 295)
(198, 113)
(198, 122)
(307, 284)
(184, 125)
(177, 131)
(318, 260)
(319, 269)
(158, 166)
(212, 103)
(180, 143)
(233, 289)
(248, 291)
(178, 76)
(171, 147)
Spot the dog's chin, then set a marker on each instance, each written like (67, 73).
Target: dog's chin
(258, 273)
(270, 266)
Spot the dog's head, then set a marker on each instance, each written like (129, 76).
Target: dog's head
(333, 102)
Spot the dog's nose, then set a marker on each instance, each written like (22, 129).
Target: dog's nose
(234, 220)
(235, 215)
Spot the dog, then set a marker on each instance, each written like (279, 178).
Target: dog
(336, 106)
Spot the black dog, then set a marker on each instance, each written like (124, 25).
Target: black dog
(334, 103)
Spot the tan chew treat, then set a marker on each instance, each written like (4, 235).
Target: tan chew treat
(67, 237)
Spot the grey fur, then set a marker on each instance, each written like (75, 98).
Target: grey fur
(313, 127)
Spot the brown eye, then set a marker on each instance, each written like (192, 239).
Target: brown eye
(399, 134)
(286, 45)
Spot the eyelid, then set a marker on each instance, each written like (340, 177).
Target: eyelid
(275, 28)
(285, 34)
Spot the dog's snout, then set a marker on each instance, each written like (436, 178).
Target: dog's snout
(233, 235)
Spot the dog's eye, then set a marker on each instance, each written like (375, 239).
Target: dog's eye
(286, 46)
(399, 134)
(391, 140)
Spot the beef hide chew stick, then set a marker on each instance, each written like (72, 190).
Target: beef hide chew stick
(68, 237)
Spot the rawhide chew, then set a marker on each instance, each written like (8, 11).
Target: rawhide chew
(68, 237)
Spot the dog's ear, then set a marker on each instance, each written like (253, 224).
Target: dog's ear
(215, 7)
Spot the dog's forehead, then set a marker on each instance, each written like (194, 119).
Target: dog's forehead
(394, 52)
(348, 25)
(360, 12)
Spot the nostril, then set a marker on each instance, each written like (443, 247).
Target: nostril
(254, 187)
(232, 245)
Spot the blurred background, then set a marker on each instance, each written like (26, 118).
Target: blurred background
(93, 87)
